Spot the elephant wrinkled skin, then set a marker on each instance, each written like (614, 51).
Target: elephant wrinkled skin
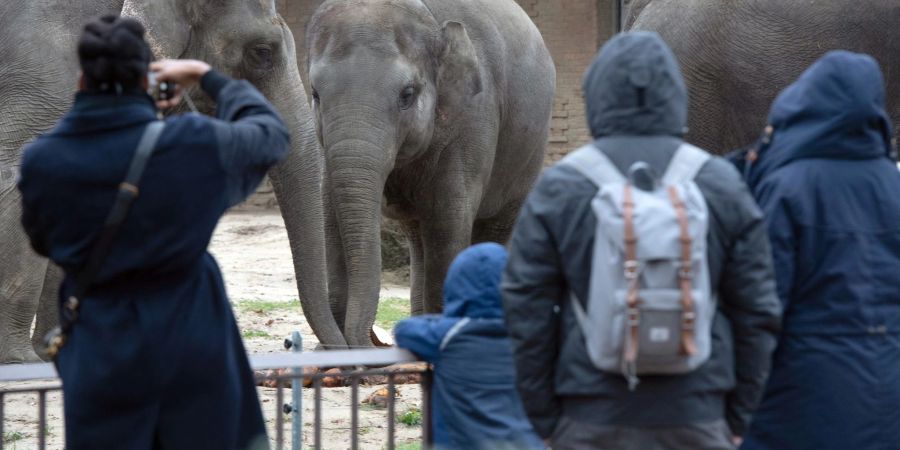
(737, 56)
(244, 38)
(434, 113)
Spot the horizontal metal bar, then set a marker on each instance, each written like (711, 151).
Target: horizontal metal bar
(344, 374)
(27, 372)
(31, 389)
(332, 358)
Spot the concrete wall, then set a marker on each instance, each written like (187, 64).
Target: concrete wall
(573, 31)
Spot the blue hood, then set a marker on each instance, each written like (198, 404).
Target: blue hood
(835, 110)
(472, 287)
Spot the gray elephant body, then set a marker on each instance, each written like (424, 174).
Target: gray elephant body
(737, 56)
(244, 38)
(434, 113)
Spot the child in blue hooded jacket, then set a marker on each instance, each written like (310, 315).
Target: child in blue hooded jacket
(476, 405)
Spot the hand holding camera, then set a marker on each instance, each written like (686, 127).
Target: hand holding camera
(172, 77)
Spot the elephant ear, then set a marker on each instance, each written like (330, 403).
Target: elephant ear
(168, 24)
(458, 74)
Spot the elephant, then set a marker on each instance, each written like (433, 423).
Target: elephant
(433, 113)
(738, 55)
(243, 38)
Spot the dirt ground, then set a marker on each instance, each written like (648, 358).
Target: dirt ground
(253, 252)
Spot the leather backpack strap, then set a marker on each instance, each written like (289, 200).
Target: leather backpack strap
(685, 276)
(126, 195)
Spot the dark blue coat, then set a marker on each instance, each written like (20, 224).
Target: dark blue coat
(831, 195)
(476, 405)
(155, 356)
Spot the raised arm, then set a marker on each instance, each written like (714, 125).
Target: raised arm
(250, 134)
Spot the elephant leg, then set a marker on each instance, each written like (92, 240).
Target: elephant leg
(416, 268)
(47, 311)
(498, 228)
(443, 238)
(21, 277)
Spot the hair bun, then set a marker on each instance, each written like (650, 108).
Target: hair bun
(112, 51)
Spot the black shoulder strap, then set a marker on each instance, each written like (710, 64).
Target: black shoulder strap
(128, 192)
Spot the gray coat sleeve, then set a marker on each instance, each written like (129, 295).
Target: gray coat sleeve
(531, 288)
(748, 298)
(251, 136)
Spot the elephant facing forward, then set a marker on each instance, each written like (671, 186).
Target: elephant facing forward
(433, 113)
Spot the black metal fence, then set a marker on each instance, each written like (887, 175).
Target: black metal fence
(354, 367)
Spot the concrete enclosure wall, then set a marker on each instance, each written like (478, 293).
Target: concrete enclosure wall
(573, 31)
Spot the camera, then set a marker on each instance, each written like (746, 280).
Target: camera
(161, 90)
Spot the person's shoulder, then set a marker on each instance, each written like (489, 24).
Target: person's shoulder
(191, 124)
(561, 179)
(720, 171)
(190, 131)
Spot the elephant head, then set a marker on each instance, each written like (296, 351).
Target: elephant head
(248, 39)
(384, 75)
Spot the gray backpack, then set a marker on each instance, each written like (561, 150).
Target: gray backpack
(649, 306)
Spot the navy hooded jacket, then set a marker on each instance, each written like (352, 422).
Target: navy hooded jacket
(476, 405)
(831, 195)
(155, 354)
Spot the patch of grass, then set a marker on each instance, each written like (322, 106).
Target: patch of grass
(412, 417)
(249, 334)
(390, 311)
(409, 446)
(266, 306)
(13, 436)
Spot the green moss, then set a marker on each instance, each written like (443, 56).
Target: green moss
(408, 446)
(250, 334)
(412, 417)
(390, 311)
(13, 436)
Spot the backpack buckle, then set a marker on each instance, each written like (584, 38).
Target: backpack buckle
(631, 269)
(687, 320)
(634, 316)
(685, 272)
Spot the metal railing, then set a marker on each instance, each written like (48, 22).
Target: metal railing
(347, 361)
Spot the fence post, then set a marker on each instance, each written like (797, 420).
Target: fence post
(427, 414)
(297, 395)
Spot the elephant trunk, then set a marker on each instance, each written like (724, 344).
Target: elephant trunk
(298, 187)
(357, 169)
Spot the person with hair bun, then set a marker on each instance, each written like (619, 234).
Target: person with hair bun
(149, 351)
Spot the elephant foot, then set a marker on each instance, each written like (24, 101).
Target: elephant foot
(19, 357)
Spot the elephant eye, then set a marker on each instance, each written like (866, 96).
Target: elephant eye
(263, 56)
(407, 97)
(315, 95)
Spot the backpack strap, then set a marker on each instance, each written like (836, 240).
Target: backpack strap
(685, 276)
(685, 164)
(594, 165)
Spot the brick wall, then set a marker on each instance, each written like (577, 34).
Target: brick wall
(573, 31)
(570, 30)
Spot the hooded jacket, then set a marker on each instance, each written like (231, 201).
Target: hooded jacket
(637, 109)
(476, 405)
(829, 189)
(157, 315)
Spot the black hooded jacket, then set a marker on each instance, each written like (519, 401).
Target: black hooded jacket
(637, 109)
